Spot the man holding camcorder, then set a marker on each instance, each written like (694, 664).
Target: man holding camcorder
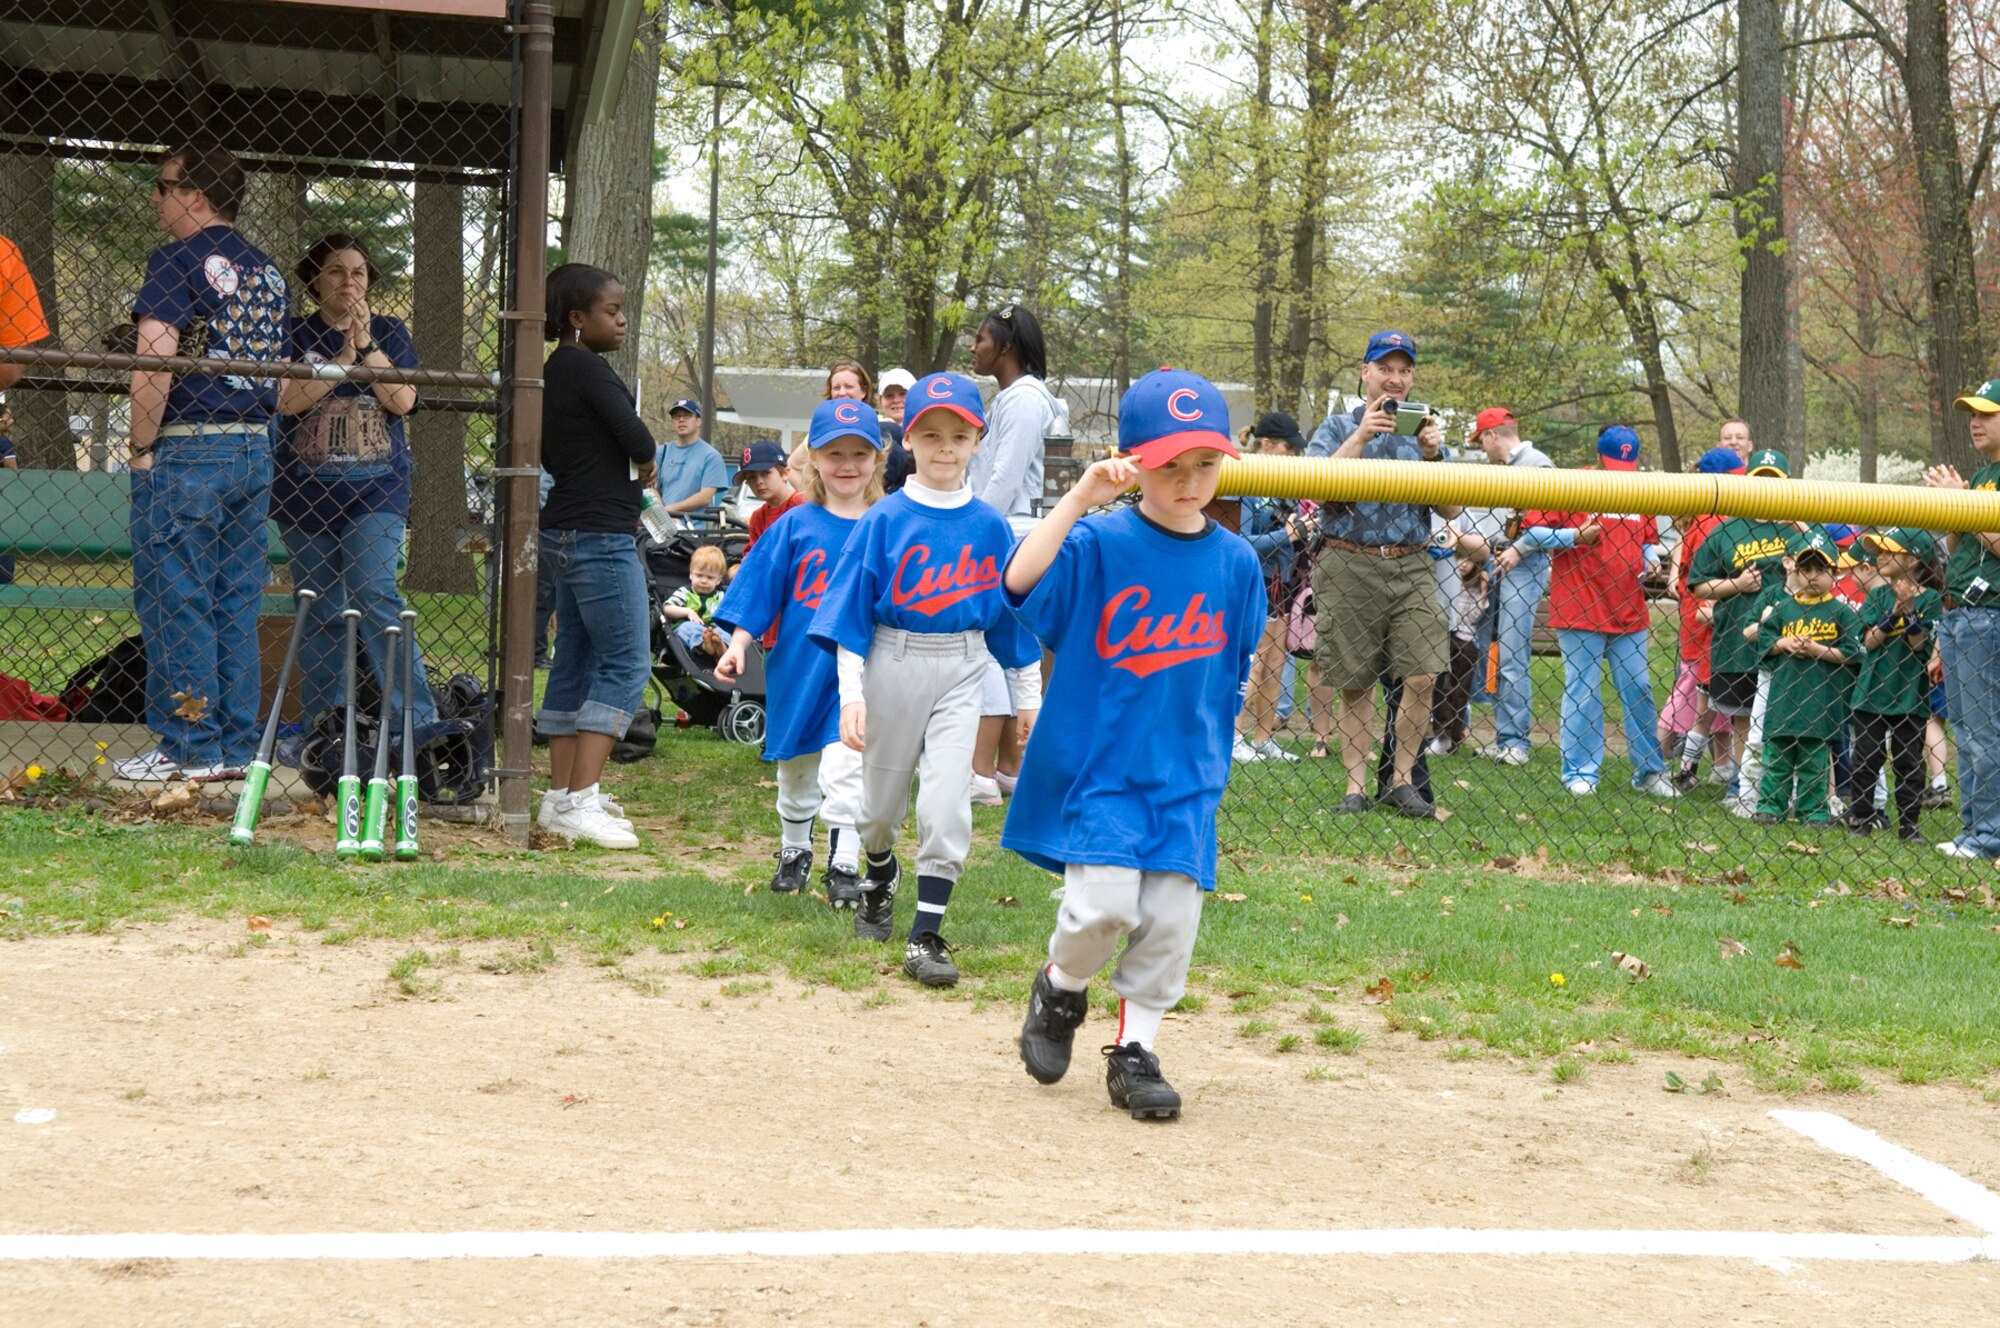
(1376, 598)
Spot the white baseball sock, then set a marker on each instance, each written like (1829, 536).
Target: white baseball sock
(1139, 1023)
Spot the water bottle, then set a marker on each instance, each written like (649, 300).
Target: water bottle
(655, 517)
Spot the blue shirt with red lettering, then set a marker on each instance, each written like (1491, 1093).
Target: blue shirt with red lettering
(929, 570)
(1153, 635)
(781, 581)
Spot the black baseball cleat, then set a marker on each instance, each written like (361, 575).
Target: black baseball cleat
(1053, 1018)
(1688, 778)
(1132, 1074)
(927, 958)
(794, 873)
(875, 909)
(843, 887)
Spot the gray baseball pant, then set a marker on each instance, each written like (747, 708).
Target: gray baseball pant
(823, 784)
(922, 692)
(1157, 913)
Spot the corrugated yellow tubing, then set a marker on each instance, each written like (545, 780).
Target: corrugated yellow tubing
(1640, 492)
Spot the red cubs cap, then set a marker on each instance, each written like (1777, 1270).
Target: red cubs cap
(1491, 418)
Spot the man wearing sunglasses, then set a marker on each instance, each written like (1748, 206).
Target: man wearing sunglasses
(201, 472)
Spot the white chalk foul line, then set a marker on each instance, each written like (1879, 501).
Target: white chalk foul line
(1964, 1199)
(988, 1242)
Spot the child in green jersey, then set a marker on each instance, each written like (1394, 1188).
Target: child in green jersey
(1810, 639)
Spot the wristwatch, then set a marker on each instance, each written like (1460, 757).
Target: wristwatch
(363, 352)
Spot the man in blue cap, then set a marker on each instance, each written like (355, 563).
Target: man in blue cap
(1379, 614)
(691, 472)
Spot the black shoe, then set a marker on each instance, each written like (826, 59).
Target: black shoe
(1053, 1017)
(1764, 818)
(1911, 834)
(795, 867)
(1405, 800)
(1132, 1074)
(843, 887)
(875, 910)
(927, 958)
(1688, 778)
(1354, 802)
(1934, 797)
(1864, 822)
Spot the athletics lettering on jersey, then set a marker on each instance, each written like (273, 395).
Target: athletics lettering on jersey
(923, 588)
(1145, 645)
(1756, 551)
(809, 580)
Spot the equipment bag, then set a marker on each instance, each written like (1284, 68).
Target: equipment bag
(111, 689)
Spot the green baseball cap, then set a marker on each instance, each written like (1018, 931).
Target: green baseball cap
(1813, 540)
(1919, 544)
(1770, 461)
(1985, 398)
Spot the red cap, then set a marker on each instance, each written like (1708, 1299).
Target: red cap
(1491, 418)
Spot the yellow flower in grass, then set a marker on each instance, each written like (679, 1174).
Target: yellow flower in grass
(34, 772)
(1558, 980)
(659, 922)
(1305, 899)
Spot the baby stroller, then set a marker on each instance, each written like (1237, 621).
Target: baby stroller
(735, 711)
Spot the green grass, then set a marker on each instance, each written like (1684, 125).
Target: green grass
(1872, 1002)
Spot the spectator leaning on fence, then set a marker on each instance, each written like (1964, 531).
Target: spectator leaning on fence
(1522, 581)
(341, 488)
(1376, 597)
(1969, 640)
(201, 462)
(1597, 605)
(21, 320)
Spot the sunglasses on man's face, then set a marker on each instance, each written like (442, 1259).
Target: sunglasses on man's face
(164, 185)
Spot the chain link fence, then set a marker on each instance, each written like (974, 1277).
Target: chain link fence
(344, 202)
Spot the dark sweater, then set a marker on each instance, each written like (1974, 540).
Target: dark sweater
(591, 436)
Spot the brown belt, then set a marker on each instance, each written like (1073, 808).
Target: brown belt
(1373, 550)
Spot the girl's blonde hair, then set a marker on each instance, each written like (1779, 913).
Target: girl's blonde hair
(709, 558)
(853, 367)
(814, 488)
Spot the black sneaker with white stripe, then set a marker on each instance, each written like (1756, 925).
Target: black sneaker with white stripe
(1132, 1074)
(843, 887)
(1053, 1017)
(875, 911)
(927, 958)
(794, 873)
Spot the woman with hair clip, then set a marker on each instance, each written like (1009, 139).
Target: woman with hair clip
(341, 488)
(1007, 472)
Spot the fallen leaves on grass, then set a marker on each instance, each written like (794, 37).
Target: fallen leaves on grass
(261, 926)
(178, 796)
(1889, 888)
(1381, 993)
(1738, 897)
(1789, 957)
(1893, 921)
(1676, 1084)
(1232, 897)
(1697, 846)
(1794, 846)
(1732, 948)
(1339, 921)
(1008, 901)
(1635, 967)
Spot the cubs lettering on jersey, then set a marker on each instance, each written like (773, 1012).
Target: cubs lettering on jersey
(922, 587)
(809, 580)
(1144, 645)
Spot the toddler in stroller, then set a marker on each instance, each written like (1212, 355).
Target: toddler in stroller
(735, 711)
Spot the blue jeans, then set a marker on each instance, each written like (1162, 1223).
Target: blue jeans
(1521, 592)
(210, 494)
(602, 660)
(353, 569)
(1969, 641)
(1583, 656)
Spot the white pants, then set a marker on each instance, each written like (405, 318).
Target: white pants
(922, 693)
(824, 784)
(1750, 774)
(1155, 913)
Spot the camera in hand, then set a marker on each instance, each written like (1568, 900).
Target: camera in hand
(1410, 415)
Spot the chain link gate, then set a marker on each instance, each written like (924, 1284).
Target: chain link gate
(367, 139)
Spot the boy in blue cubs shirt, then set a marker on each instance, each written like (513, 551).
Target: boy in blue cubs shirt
(1154, 614)
(913, 612)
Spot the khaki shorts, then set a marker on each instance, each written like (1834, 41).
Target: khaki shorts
(1374, 614)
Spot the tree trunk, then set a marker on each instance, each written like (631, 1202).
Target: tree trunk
(1867, 392)
(437, 438)
(1306, 231)
(27, 217)
(273, 217)
(1957, 351)
(1763, 383)
(1121, 291)
(611, 190)
(1265, 283)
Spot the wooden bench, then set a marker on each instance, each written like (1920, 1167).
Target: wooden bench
(81, 514)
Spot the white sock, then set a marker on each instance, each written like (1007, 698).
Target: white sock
(1940, 782)
(1064, 982)
(1139, 1023)
(843, 847)
(795, 834)
(580, 798)
(1005, 780)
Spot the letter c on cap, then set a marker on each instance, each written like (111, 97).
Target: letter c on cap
(1177, 408)
(938, 389)
(847, 413)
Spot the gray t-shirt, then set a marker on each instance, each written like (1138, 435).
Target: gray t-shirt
(1491, 522)
(1006, 471)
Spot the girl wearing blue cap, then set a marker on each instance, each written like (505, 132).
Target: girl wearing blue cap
(913, 611)
(780, 583)
(1154, 613)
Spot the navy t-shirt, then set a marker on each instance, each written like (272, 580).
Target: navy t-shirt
(1153, 636)
(228, 301)
(321, 500)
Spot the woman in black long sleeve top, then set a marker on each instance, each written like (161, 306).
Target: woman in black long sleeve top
(600, 453)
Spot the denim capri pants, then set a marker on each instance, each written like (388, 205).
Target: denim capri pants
(602, 660)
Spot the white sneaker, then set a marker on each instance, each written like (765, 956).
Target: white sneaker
(985, 792)
(1721, 773)
(154, 767)
(1954, 849)
(1493, 751)
(1242, 751)
(1580, 788)
(551, 807)
(1269, 749)
(1742, 808)
(1836, 806)
(1657, 785)
(1440, 746)
(583, 819)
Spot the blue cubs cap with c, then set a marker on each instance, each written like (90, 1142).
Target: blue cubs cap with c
(1618, 448)
(764, 454)
(1383, 342)
(1719, 461)
(842, 417)
(1171, 411)
(688, 404)
(944, 391)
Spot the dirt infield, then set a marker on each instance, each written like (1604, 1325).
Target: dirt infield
(201, 1087)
